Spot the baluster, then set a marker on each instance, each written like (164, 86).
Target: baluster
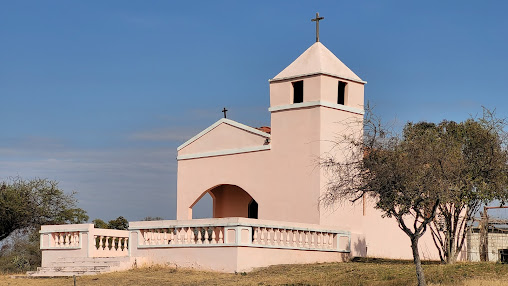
(319, 234)
(185, 235)
(312, 241)
(57, 239)
(76, 239)
(221, 235)
(262, 235)
(332, 237)
(71, 239)
(199, 235)
(158, 237)
(305, 235)
(192, 235)
(171, 236)
(293, 234)
(101, 243)
(164, 237)
(255, 236)
(178, 232)
(144, 233)
(275, 237)
(214, 235)
(206, 235)
(301, 237)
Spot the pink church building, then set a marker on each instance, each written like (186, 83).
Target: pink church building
(266, 187)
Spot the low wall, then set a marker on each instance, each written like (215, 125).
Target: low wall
(81, 241)
(235, 244)
(222, 244)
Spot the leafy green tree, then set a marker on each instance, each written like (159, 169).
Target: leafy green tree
(119, 223)
(99, 223)
(477, 175)
(31, 203)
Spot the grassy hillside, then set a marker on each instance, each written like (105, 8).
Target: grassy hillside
(373, 272)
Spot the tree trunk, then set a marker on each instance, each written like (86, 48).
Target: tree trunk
(484, 238)
(450, 245)
(418, 262)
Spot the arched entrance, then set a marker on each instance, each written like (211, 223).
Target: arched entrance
(231, 201)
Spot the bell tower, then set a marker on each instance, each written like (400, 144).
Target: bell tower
(313, 101)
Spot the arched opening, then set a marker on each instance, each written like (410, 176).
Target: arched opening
(203, 208)
(228, 201)
(253, 209)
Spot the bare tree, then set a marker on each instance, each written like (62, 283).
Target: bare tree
(431, 175)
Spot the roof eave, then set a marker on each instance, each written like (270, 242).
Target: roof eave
(316, 73)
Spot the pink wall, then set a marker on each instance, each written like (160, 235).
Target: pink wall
(286, 180)
(230, 201)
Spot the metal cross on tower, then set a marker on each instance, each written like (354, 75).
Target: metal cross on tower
(317, 19)
(224, 110)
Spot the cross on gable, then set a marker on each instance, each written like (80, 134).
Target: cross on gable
(224, 110)
(317, 19)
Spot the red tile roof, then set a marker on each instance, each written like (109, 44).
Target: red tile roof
(265, 129)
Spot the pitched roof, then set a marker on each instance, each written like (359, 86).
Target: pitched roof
(317, 59)
(226, 121)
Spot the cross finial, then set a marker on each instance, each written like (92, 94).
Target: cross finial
(224, 110)
(317, 19)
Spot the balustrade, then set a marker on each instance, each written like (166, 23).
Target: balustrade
(65, 239)
(185, 235)
(85, 239)
(241, 233)
(297, 238)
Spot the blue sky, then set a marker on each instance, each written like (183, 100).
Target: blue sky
(98, 94)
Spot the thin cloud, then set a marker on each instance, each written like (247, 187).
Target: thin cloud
(164, 135)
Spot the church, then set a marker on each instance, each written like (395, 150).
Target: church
(266, 185)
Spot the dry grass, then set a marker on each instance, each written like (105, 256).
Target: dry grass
(354, 273)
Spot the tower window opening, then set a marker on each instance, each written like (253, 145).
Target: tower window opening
(341, 93)
(298, 91)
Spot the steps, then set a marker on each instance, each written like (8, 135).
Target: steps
(81, 266)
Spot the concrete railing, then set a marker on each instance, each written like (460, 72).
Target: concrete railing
(239, 232)
(83, 240)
